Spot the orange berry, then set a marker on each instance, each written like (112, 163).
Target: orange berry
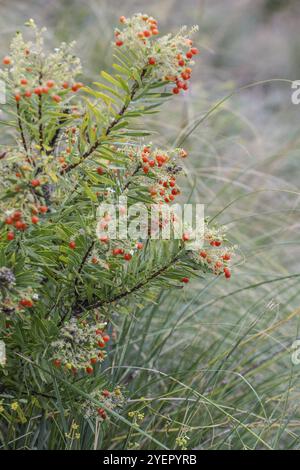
(10, 236)
(34, 219)
(35, 183)
(56, 98)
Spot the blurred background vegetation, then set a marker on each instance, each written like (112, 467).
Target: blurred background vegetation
(212, 362)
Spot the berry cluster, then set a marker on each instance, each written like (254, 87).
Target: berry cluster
(214, 256)
(158, 171)
(170, 57)
(20, 221)
(80, 346)
(111, 400)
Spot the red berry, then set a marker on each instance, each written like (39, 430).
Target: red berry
(23, 81)
(17, 97)
(19, 225)
(101, 412)
(175, 91)
(28, 93)
(185, 237)
(146, 169)
(180, 84)
(226, 257)
(154, 31)
(8, 221)
(50, 83)
(76, 86)
(34, 219)
(35, 183)
(119, 43)
(57, 363)
(26, 303)
(227, 273)
(43, 209)
(139, 246)
(89, 370)
(10, 236)
(100, 170)
(38, 90)
(105, 393)
(93, 360)
(181, 63)
(122, 19)
(185, 280)
(101, 344)
(72, 245)
(203, 254)
(56, 98)
(194, 51)
(104, 239)
(147, 33)
(189, 55)
(6, 60)
(106, 338)
(127, 256)
(152, 61)
(65, 85)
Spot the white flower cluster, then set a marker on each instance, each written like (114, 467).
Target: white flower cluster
(79, 346)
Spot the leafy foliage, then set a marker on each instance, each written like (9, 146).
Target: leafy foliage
(72, 148)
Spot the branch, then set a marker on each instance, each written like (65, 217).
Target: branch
(53, 141)
(115, 121)
(40, 115)
(84, 259)
(21, 128)
(101, 303)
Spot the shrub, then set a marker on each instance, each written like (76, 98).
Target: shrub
(69, 148)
